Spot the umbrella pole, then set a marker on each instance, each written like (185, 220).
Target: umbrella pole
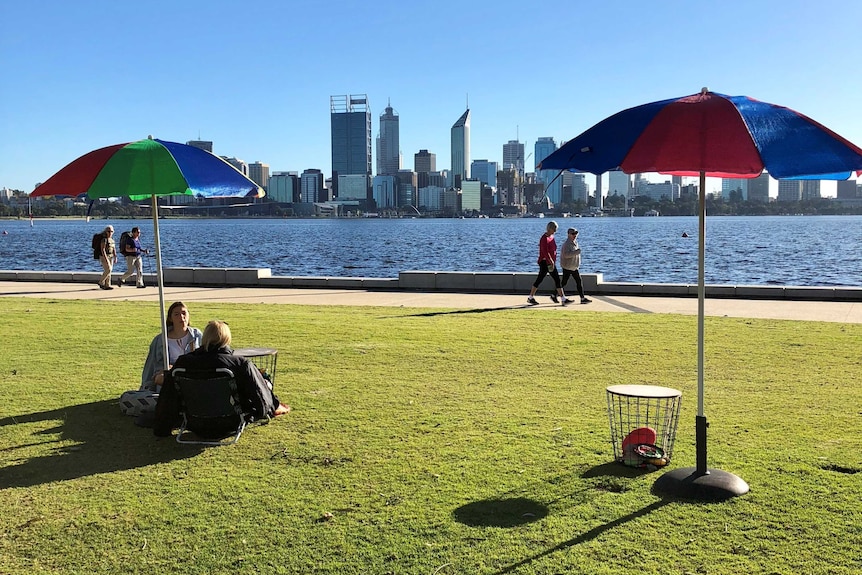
(159, 280)
(700, 421)
(700, 483)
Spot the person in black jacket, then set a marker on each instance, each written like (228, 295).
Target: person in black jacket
(254, 391)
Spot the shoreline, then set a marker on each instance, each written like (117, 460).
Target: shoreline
(506, 283)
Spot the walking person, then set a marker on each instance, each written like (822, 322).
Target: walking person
(131, 248)
(548, 266)
(570, 261)
(107, 257)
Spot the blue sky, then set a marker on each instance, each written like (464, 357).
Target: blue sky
(255, 77)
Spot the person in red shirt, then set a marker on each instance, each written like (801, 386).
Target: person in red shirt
(548, 266)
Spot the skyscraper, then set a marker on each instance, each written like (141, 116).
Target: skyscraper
(424, 161)
(388, 145)
(311, 185)
(259, 174)
(758, 189)
(543, 148)
(350, 119)
(513, 156)
(461, 149)
(789, 190)
(485, 172)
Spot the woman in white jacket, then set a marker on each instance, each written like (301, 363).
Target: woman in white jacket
(570, 259)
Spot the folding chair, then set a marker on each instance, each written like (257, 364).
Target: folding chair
(210, 407)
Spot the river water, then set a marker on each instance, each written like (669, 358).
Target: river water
(742, 250)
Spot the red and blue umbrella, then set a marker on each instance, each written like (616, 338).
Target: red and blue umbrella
(147, 169)
(708, 134)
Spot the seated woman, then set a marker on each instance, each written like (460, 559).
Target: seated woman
(254, 391)
(181, 339)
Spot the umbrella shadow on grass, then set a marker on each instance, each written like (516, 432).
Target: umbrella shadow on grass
(88, 439)
(585, 537)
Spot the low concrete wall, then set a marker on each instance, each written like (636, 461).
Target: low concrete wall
(426, 280)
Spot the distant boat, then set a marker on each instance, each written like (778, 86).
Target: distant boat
(652, 213)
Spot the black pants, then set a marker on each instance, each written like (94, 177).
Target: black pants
(545, 270)
(577, 276)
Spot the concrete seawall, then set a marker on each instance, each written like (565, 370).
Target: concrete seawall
(437, 281)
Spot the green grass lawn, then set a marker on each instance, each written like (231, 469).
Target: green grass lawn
(429, 442)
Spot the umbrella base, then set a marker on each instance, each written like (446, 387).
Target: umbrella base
(688, 483)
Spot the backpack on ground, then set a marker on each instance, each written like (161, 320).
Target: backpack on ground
(97, 245)
(124, 237)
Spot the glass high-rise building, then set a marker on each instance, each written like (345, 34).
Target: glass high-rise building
(461, 149)
(758, 189)
(485, 171)
(388, 145)
(350, 120)
(205, 145)
(543, 148)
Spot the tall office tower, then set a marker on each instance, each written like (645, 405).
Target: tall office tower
(811, 190)
(201, 145)
(619, 183)
(543, 148)
(438, 178)
(513, 156)
(431, 198)
(406, 188)
(461, 149)
(311, 186)
(240, 165)
(259, 174)
(350, 121)
(846, 189)
(789, 190)
(580, 188)
(485, 172)
(384, 192)
(424, 161)
(283, 187)
(729, 185)
(758, 189)
(388, 145)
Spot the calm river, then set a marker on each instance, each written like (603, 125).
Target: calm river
(756, 250)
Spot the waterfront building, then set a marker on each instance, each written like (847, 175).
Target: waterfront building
(461, 149)
(811, 190)
(510, 187)
(513, 156)
(438, 178)
(484, 171)
(283, 187)
(471, 195)
(847, 190)
(657, 191)
(201, 145)
(352, 187)
(619, 183)
(758, 189)
(543, 148)
(259, 174)
(406, 188)
(729, 185)
(384, 192)
(388, 143)
(580, 188)
(789, 190)
(350, 122)
(431, 198)
(311, 186)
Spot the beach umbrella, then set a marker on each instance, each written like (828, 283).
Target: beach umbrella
(708, 135)
(147, 169)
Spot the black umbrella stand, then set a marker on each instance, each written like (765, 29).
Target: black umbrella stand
(700, 483)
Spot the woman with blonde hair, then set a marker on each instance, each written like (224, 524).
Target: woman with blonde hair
(254, 391)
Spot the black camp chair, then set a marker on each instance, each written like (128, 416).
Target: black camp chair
(210, 406)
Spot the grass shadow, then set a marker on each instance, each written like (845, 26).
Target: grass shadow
(614, 469)
(584, 537)
(509, 512)
(93, 438)
(466, 311)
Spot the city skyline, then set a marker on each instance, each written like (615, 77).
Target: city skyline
(73, 83)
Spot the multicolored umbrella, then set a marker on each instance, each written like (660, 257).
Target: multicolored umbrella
(708, 134)
(148, 169)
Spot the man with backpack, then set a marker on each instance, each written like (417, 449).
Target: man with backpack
(130, 247)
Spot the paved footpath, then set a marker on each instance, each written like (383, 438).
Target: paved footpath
(831, 311)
